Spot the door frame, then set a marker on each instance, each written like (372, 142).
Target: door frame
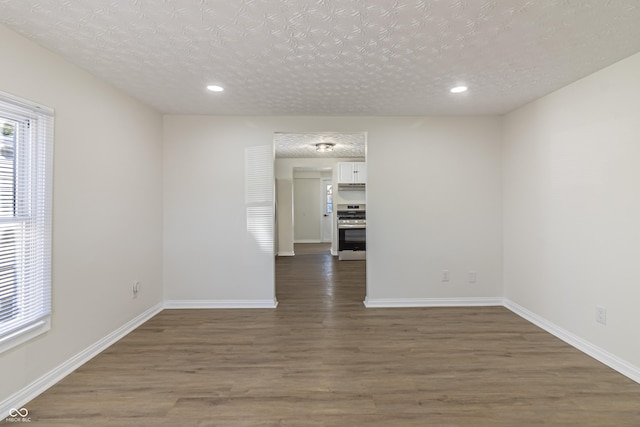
(323, 206)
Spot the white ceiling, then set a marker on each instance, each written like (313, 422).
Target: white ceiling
(296, 145)
(333, 57)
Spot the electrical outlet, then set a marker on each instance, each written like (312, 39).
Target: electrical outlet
(135, 288)
(473, 277)
(445, 275)
(601, 315)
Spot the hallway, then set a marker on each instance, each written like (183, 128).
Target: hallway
(315, 280)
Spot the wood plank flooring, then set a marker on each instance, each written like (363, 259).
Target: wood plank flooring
(322, 359)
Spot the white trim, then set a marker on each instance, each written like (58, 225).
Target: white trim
(287, 253)
(29, 308)
(432, 302)
(308, 241)
(30, 392)
(603, 356)
(26, 103)
(324, 180)
(23, 335)
(238, 303)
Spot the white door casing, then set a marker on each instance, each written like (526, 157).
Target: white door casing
(326, 193)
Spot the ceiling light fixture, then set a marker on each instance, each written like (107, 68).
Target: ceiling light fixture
(459, 89)
(215, 88)
(324, 147)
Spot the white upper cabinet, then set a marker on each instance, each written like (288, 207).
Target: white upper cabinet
(352, 173)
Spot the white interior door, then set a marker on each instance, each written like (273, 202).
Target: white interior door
(327, 209)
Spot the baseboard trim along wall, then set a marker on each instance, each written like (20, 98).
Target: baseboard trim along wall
(30, 392)
(241, 303)
(615, 363)
(286, 253)
(431, 302)
(630, 371)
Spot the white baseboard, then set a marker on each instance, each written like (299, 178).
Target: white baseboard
(603, 356)
(20, 398)
(240, 303)
(431, 302)
(286, 253)
(614, 362)
(30, 392)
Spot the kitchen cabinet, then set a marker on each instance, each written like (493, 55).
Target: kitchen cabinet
(352, 173)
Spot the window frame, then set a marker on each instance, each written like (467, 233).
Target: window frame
(32, 217)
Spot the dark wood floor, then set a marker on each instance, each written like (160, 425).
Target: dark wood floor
(322, 359)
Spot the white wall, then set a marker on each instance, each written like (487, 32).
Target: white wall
(433, 204)
(442, 175)
(284, 217)
(107, 220)
(572, 208)
(434, 197)
(209, 254)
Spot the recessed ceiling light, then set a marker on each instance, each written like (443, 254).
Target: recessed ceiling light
(459, 89)
(215, 88)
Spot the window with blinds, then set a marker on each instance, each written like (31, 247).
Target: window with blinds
(26, 144)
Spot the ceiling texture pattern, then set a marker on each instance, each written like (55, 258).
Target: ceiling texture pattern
(298, 145)
(333, 57)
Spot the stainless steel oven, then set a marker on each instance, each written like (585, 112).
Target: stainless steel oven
(352, 232)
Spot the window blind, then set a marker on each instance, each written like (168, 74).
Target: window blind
(26, 144)
(259, 189)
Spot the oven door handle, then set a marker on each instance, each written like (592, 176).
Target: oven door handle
(344, 226)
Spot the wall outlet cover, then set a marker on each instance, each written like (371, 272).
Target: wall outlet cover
(601, 315)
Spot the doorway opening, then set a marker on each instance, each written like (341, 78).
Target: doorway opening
(326, 206)
(309, 187)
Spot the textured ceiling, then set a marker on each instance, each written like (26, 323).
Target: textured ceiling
(296, 145)
(333, 57)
